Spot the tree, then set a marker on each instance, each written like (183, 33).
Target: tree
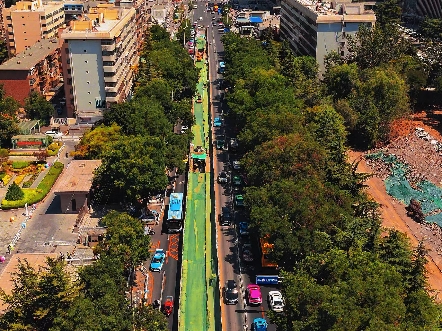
(3, 51)
(134, 169)
(38, 296)
(38, 108)
(125, 239)
(371, 47)
(95, 143)
(431, 28)
(341, 80)
(148, 319)
(14, 192)
(8, 118)
(388, 12)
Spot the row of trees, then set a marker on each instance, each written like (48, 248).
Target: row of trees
(137, 144)
(339, 272)
(136, 139)
(48, 299)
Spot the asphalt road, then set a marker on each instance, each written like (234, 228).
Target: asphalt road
(166, 283)
(234, 317)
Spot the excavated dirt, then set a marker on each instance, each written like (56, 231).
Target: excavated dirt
(421, 153)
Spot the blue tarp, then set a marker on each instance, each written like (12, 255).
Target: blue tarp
(255, 19)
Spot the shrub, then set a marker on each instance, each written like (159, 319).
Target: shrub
(14, 193)
(2, 174)
(6, 179)
(53, 148)
(20, 164)
(32, 196)
(19, 179)
(30, 181)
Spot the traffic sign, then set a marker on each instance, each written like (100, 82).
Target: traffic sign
(267, 279)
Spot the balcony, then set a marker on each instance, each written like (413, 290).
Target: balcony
(112, 79)
(109, 57)
(108, 48)
(109, 69)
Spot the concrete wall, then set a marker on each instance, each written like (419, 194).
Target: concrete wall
(87, 73)
(66, 202)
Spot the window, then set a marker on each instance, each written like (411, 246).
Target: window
(85, 61)
(69, 71)
(87, 71)
(85, 50)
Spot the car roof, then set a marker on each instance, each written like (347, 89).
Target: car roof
(253, 287)
(231, 283)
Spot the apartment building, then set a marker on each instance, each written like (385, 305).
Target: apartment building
(423, 8)
(98, 56)
(37, 69)
(27, 22)
(316, 28)
(141, 17)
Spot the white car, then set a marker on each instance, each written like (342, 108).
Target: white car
(276, 301)
(54, 134)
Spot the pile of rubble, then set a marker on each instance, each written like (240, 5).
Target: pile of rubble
(419, 150)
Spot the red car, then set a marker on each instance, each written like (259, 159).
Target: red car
(254, 294)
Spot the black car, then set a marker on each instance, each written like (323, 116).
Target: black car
(231, 293)
(225, 217)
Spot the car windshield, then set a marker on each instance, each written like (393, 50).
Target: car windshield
(156, 259)
(277, 303)
(223, 175)
(232, 294)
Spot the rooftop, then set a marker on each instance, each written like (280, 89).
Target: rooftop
(77, 177)
(30, 57)
(105, 23)
(336, 7)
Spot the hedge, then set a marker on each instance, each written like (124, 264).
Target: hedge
(36, 195)
(20, 164)
(54, 148)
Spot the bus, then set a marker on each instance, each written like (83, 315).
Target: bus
(266, 249)
(175, 215)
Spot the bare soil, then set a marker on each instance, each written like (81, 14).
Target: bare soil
(425, 163)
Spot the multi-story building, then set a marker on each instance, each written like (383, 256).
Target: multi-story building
(27, 22)
(141, 18)
(37, 69)
(423, 8)
(316, 28)
(99, 54)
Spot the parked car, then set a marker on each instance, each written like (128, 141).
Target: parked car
(243, 228)
(231, 293)
(156, 264)
(276, 301)
(217, 122)
(236, 180)
(239, 201)
(247, 254)
(54, 134)
(233, 144)
(223, 178)
(225, 218)
(236, 165)
(220, 144)
(254, 296)
(259, 324)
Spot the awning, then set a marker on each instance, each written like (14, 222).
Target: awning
(199, 156)
(242, 20)
(254, 19)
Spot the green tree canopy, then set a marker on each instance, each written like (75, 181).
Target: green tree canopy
(132, 170)
(95, 143)
(38, 108)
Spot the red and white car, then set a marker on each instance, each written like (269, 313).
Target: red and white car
(254, 295)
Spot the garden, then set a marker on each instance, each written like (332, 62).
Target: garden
(19, 176)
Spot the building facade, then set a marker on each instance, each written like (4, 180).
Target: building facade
(37, 69)
(423, 8)
(99, 54)
(141, 17)
(316, 28)
(27, 22)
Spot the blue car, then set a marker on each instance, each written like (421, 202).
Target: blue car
(156, 264)
(217, 122)
(243, 228)
(259, 324)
